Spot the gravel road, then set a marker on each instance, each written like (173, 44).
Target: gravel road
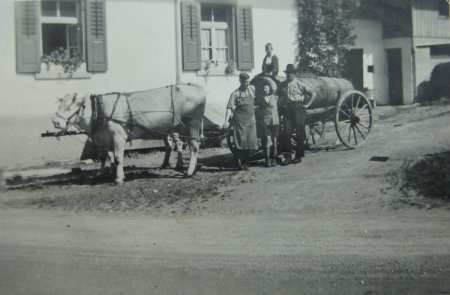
(338, 223)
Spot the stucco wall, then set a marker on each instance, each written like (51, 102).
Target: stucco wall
(407, 63)
(274, 22)
(369, 37)
(141, 55)
(425, 64)
(143, 47)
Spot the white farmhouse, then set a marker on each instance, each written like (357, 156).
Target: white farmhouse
(132, 45)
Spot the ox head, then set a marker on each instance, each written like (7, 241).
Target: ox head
(70, 112)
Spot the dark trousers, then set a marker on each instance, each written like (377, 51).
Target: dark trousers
(295, 119)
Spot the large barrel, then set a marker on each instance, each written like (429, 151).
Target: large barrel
(328, 90)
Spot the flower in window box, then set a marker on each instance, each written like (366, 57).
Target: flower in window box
(63, 58)
(230, 68)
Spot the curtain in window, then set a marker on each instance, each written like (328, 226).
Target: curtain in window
(221, 46)
(206, 45)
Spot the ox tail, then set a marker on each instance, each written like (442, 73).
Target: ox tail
(202, 136)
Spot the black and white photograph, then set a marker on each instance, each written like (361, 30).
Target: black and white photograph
(224, 147)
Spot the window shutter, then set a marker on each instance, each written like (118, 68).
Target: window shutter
(28, 37)
(244, 38)
(190, 27)
(96, 36)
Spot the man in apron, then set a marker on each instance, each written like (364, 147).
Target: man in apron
(240, 115)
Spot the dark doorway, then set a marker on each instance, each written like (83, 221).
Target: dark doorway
(353, 70)
(394, 57)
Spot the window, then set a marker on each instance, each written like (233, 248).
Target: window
(443, 8)
(61, 27)
(216, 36)
(74, 26)
(440, 51)
(216, 27)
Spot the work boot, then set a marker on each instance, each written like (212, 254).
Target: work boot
(238, 163)
(287, 161)
(274, 162)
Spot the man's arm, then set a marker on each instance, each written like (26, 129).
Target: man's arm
(263, 67)
(229, 111)
(275, 65)
(310, 91)
(228, 116)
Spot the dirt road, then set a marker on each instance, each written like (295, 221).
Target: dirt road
(337, 223)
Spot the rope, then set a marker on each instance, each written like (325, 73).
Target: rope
(127, 98)
(172, 108)
(97, 109)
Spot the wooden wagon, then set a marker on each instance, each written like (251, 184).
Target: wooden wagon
(336, 101)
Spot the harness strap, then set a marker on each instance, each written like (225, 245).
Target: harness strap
(98, 114)
(115, 105)
(94, 114)
(130, 116)
(172, 109)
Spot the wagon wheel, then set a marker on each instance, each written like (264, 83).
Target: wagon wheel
(230, 141)
(317, 132)
(353, 121)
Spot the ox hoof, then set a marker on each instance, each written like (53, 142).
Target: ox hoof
(165, 166)
(118, 181)
(188, 175)
(100, 173)
(179, 168)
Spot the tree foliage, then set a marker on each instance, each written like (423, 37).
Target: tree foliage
(324, 34)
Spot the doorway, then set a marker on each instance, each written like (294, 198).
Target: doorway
(395, 76)
(353, 69)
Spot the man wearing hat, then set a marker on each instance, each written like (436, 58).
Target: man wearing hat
(292, 95)
(241, 115)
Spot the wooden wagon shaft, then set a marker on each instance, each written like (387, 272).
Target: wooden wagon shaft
(320, 110)
(62, 133)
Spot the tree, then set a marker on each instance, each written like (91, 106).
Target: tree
(324, 33)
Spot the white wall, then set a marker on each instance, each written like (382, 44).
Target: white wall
(142, 51)
(274, 22)
(425, 64)
(140, 57)
(370, 38)
(407, 63)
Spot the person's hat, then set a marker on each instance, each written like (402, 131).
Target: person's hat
(290, 68)
(244, 76)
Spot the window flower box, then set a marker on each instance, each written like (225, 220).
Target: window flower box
(61, 65)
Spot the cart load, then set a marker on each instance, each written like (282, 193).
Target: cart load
(336, 101)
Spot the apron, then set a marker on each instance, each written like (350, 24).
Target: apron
(244, 126)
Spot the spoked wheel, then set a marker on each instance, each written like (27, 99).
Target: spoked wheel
(353, 121)
(317, 132)
(230, 141)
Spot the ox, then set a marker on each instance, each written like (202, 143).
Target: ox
(112, 119)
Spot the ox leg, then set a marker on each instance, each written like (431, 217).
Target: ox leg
(194, 149)
(112, 163)
(168, 144)
(119, 149)
(179, 144)
(102, 155)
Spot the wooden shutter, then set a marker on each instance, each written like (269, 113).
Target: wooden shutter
(28, 57)
(96, 36)
(190, 27)
(244, 30)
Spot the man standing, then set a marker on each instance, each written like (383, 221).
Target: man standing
(241, 114)
(292, 95)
